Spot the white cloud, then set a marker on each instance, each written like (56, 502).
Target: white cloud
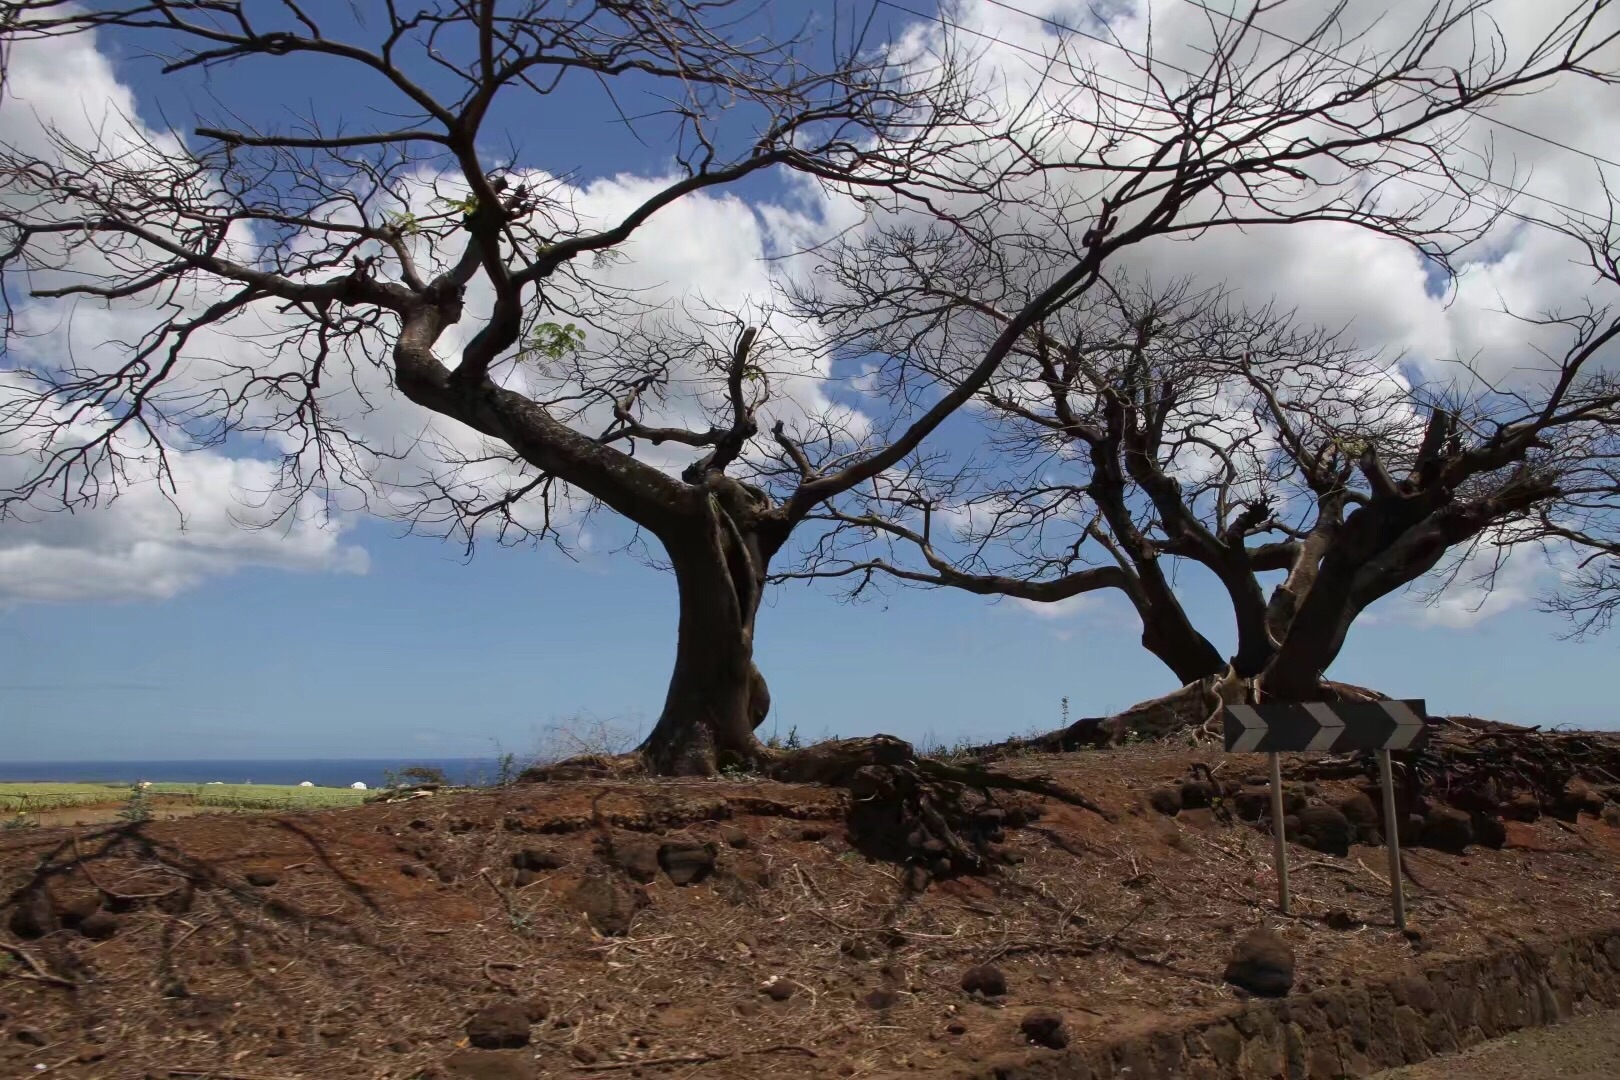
(138, 547)
(1067, 608)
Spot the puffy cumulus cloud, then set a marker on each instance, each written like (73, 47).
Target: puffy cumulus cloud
(1335, 274)
(137, 547)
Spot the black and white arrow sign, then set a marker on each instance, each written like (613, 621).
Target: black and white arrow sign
(1324, 726)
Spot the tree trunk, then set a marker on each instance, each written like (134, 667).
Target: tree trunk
(1168, 634)
(717, 696)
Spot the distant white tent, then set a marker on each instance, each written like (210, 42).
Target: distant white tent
(358, 786)
(306, 783)
(211, 783)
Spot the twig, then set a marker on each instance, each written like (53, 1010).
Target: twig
(506, 965)
(84, 867)
(39, 972)
(694, 1059)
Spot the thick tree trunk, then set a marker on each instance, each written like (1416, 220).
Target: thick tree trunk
(1167, 632)
(717, 696)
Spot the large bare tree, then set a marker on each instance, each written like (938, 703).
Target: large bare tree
(1015, 192)
(1152, 427)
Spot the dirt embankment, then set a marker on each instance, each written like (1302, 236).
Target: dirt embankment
(724, 929)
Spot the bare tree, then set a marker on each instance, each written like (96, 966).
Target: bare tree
(326, 247)
(320, 242)
(1150, 427)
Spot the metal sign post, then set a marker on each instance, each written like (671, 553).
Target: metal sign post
(1277, 833)
(1392, 838)
(1320, 726)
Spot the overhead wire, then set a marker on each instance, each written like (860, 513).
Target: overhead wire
(1485, 116)
(1113, 43)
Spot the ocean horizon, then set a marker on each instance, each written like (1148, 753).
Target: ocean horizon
(322, 772)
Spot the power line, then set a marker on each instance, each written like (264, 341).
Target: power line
(1138, 54)
(1487, 117)
(1114, 44)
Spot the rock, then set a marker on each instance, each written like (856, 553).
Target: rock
(1523, 806)
(1262, 963)
(986, 979)
(610, 905)
(777, 988)
(1447, 829)
(99, 926)
(261, 879)
(490, 1065)
(637, 858)
(1488, 830)
(687, 862)
(280, 1048)
(1016, 817)
(1045, 1027)
(735, 838)
(499, 1027)
(1580, 797)
(881, 999)
(1360, 811)
(1611, 816)
(73, 910)
(1340, 919)
(1324, 829)
(1196, 794)
(956, 1027)
(30, 1036)
(812, 833)
(538, 859)
(32, 918)
(1166, 800)
(585, 1054)
(1251, 805)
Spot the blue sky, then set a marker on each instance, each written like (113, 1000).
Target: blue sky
(427, 653)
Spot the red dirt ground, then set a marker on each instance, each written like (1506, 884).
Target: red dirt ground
(387, 926)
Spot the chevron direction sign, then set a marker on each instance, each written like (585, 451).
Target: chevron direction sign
(1324, 726)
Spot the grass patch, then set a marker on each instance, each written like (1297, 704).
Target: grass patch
(34, 797)
(263, 796)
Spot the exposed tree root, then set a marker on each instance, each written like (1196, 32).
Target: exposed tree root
(938, 820)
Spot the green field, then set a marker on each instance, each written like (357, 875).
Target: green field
(47, 796)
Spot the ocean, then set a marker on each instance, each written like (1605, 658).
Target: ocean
(323, 772)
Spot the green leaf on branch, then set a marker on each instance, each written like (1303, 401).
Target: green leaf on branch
(405, 224)
(555, 340)
(467, 206)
